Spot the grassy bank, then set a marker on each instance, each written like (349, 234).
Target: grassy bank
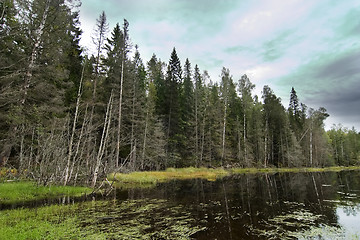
(149, 178)
(17, 192)
(152, 177)
(50, 222)
(294, 170)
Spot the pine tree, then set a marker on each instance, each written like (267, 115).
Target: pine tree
(245, 89)
(171, 109)
(275, 126)
(199, 115)
(224, 94)
(187, 115)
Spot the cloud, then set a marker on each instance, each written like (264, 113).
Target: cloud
(331, 81)
(311, 45)
(277, 47)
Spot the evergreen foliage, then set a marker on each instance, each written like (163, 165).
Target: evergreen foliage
(68, 117)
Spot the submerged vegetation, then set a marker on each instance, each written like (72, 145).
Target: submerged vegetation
(50, 222)
(100, 220)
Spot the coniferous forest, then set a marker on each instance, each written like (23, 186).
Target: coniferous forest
(69, 117)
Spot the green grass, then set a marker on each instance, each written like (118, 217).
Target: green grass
(17, 192)
(294, 170)
(51, 222)
(150, 178)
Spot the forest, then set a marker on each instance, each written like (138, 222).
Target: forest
(70, 117)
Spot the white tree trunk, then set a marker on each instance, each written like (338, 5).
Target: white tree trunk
(76, 114)
(103, 141)
(224, 132)
(34, 53)
(119, 116)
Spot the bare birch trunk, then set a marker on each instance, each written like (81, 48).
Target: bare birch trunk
(196, 132)
(132, 140)
(78, 145)
(239, 143)
(39, 32)
(202, 140)
(265, 145)
(144, 143)
(119, 116)
(245, 150)
(102, 141)
(311, 146)
(76, 114)
(224, 132)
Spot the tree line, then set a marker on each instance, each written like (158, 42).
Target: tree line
(70, 117)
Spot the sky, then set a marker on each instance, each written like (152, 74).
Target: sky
(313, 46)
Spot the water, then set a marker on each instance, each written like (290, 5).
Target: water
(261, 206)
(247, 206)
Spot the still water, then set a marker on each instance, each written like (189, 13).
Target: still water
(248, 206)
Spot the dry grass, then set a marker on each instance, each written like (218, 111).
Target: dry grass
(149, 178)
(307, 169)
(169, 174)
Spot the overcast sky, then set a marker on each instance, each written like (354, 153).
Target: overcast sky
(313, 46)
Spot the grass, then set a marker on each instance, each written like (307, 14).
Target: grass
(294, 170)
(50, 222)
(150, 178)
(17, 192)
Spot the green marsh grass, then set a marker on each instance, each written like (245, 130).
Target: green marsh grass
(294, 170)
(50, 222)
(17, 192)
(150, 178)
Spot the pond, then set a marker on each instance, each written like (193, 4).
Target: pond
(322, 205)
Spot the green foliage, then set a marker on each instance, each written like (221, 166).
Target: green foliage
(345, 145)
(161, 115)
(52, 222)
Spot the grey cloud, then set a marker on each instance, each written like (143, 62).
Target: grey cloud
(341, 68)
(332, 82)
(276, 47)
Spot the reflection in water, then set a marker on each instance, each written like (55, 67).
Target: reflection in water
(261, 206)
(348, 218)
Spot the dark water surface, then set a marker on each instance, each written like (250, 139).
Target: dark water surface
(249, 206)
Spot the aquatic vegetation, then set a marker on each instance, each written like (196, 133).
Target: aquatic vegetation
(322, 232)
(17, 192)
(130, 219)
(138, 219)
(51, 222)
